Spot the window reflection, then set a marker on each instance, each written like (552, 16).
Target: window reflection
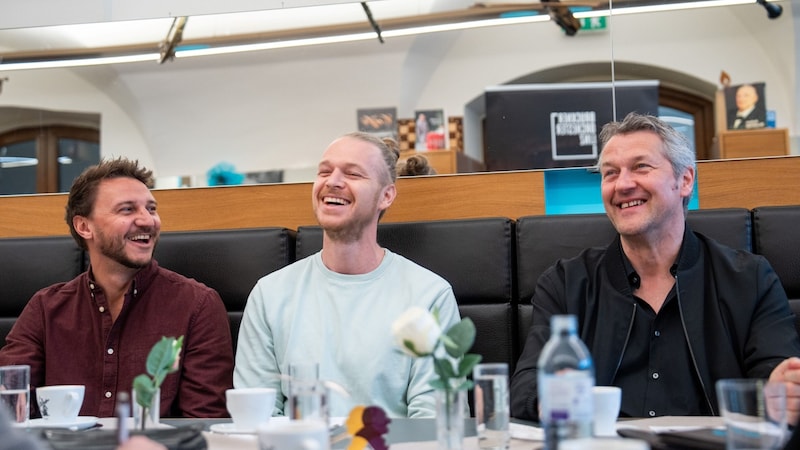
(74, 155)
(18, 168)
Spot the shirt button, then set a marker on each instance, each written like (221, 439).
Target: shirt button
(110, 351)
(102, 308)
(108, 394)
(652, 413)
(655, 375)
(91, 285)
(657, 333)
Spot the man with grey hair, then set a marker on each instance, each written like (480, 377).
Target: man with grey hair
(664, 311)
(336, 307)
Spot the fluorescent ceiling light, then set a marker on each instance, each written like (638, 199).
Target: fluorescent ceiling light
(79, 62)
(391, 31)
(411, 31)
(662, 7)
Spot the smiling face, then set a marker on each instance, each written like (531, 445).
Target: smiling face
(641, 194)
(123, 227)
(351, 189)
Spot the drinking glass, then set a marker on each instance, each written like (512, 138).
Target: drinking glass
(308, 396)
(754, 411)
(491, 405)
(15, 392)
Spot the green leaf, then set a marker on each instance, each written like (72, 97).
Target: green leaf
(463, 335)
(410, 346)
(468, 363)
(444, 368)
(466, 384)
(438, 384)
(143, 386)
(161, 356)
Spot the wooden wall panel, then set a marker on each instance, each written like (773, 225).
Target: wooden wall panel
(748, 183)
(745, 183)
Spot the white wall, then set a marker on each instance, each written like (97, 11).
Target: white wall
(279, 109)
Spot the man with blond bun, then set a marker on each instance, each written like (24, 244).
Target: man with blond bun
(336, 307)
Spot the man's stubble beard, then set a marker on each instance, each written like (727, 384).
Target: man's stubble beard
(115, 250)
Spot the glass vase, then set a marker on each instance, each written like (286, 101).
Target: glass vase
(450, 407)
(149, 417)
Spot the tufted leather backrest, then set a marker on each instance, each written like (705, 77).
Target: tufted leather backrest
(230, 261)
(474, 255)
(30, 264)
(542, 240)
(776, 231)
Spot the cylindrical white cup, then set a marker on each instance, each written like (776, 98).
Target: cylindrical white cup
(607, 401)
(250, 407)
(60, 403)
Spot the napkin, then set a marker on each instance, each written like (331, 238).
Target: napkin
(525, 432)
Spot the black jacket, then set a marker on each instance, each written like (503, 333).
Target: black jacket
(732, 305)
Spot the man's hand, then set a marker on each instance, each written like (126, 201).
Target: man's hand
(141, 443)
(788, 373)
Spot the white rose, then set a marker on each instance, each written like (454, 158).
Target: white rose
(416, 332)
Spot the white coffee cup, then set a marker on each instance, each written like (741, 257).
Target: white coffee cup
(60, 403)
(607, 401)
(250, 407)
(294, 435)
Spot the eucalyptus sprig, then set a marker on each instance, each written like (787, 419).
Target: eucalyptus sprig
(162, 360)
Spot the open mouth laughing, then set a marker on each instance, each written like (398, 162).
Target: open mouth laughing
(631, 203)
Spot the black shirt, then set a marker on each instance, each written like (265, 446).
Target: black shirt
(657, 368)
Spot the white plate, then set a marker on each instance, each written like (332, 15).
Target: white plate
(230, 428)
(80, 423)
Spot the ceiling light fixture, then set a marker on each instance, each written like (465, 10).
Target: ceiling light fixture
(406, 26)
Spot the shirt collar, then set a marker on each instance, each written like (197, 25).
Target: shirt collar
(143, 278)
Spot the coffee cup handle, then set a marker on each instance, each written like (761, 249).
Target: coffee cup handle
(73, 403)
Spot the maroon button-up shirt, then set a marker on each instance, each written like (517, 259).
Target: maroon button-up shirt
(65, 333)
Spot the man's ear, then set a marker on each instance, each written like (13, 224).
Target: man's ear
(389, 194)
(687, 182)
(81, 225)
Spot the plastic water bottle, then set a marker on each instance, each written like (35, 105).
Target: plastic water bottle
(565, 381)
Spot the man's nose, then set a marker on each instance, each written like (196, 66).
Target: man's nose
(145, 218)
(335, 178)
(625, 180)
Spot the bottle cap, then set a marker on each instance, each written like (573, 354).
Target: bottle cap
(563, 322)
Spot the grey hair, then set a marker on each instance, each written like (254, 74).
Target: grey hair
(676, 148)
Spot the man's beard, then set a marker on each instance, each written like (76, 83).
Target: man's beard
(115, 250)
(348, 232)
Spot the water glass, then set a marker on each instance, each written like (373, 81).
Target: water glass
(491, 405)
(15, 392)
(300, 373)
(308, 400)
(754, 412)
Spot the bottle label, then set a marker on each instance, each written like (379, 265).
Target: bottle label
(566, 396)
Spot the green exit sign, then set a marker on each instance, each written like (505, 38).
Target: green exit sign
(593, 23)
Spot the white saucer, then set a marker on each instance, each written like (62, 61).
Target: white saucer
(80, 423)
(230, 428)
